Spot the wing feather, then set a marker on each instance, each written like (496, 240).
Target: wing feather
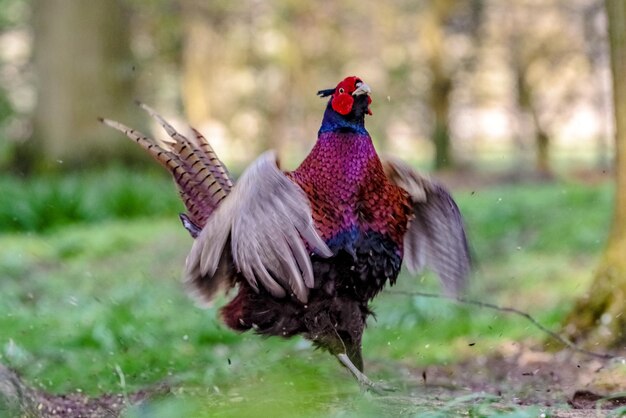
(266, 221)
(436, 236)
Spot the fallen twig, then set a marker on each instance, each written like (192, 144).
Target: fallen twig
(507, 309)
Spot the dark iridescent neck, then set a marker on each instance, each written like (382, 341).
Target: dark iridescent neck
(334, 122)
(337, 152)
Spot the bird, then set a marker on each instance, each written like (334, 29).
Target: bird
(306, 251)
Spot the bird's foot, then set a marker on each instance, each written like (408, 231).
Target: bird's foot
(377, 388)
(364, 381)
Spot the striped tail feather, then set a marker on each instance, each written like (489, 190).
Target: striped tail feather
(202, 179)
(195, 150)
(210, 160)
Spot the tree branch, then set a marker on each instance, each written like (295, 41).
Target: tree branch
(507, 309)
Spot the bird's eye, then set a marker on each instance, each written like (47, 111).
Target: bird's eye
(341, 90)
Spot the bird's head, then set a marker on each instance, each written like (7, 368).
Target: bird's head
(350, 99)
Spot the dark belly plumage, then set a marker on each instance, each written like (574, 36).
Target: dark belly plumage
(338, 303)
(361, 267)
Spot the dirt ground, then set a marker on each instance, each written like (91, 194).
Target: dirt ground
(567, 385)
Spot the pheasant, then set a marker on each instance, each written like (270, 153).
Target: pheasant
(307, 250)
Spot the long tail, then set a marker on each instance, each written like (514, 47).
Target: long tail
(202, 179)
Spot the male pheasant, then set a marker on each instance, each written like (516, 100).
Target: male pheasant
(309, 249)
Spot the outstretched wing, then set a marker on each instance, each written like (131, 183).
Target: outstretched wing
(436, 236)
(260, 229)
(201, 178)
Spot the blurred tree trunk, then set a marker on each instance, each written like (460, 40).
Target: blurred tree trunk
(201, 52)
(528, 108)
(440, 103)
(441, 80)
(211, 67)
(542, 139)
(83, 67)
(213, 72)
(439, 20)
(598, 318)
(597, 58)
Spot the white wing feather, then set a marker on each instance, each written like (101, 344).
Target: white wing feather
(264, 224)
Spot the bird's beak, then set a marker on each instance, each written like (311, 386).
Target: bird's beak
(361, 88)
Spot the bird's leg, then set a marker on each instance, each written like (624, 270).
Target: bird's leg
(340, 331)
(363, 380)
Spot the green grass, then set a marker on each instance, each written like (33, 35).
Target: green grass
(96, 290)
(44, 203)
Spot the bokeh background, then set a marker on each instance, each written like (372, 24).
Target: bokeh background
(508, 102)
(475, 83)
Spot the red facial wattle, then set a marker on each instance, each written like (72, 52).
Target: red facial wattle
(343, 99)
(342, 103)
